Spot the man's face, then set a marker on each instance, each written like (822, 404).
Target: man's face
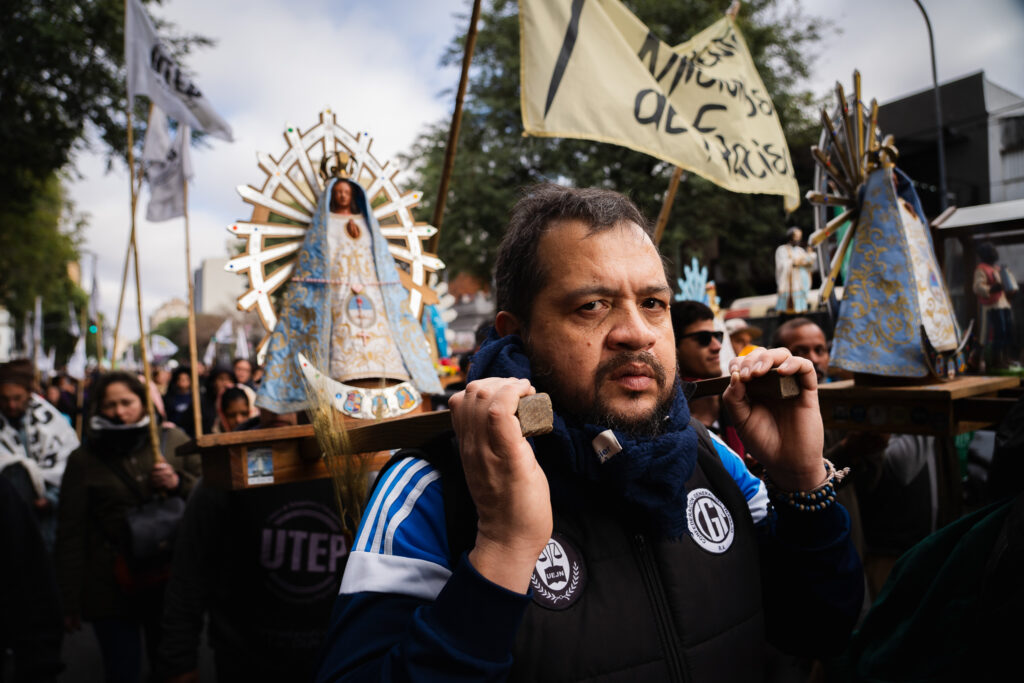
(740, 341)
(808, 341)
(13, 400)
(600, 335)
(243, 371)
(696, 359)
(341, 196)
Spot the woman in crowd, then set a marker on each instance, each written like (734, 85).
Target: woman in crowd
(178, 400)
(106, 480)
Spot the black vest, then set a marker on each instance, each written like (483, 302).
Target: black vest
(643, 608)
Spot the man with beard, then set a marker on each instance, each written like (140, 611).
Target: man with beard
(622, 546)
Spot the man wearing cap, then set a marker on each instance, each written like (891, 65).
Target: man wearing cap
(741, 335)
(627, 544)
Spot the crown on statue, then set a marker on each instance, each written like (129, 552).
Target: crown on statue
(335, 165)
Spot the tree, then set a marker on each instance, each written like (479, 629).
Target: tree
(738, 232)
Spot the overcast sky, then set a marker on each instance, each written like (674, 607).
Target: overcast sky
(376, 63)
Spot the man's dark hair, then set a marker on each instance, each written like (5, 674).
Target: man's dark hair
(686, 313)
(20, 371)
(987, 253)
(518, 273)
(789, 326)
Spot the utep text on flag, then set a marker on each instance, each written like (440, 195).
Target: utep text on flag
(153, 72)
(167, 167)
(592, 70)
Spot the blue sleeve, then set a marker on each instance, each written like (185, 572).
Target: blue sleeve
(752, 488)
(404, 613)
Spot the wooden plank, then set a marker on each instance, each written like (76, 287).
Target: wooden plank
(769, 387)
(961, 387)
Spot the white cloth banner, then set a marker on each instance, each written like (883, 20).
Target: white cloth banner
(223, 334)
(73, 329)
(37, 335)
(241, 344)
(211, 352)
(168, 167)
(161, 347)
(152, 72)
(76, 364)
(43, 443)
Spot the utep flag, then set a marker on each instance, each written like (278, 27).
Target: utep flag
(167, 168)
(592, 70)
(152, 72)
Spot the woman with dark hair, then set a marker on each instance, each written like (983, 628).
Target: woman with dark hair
(178, 400)
(991, 284)
(109, 476)
(221, 379)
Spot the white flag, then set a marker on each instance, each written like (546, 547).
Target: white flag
(161, 347)
(47, 364)
(152, 72)
(167, 168)
(26, 335)
(223, 333)
(241, 344)
(73, 329)
(37, 335)
(76, 364)
(129, 358)
(211, 352)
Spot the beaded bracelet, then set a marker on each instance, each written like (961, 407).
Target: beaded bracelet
(819, 498)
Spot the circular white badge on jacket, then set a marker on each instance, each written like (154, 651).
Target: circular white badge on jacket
(709, 521)
(559, 576)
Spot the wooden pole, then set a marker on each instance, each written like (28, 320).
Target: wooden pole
(80, 393)
(666, 205)
(193, 352)
(99, 324)
(124, 277)
(154, 434)
(453, 130)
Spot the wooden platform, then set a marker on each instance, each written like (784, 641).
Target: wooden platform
(945, 409)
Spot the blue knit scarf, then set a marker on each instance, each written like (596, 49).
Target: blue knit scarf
(650, 473)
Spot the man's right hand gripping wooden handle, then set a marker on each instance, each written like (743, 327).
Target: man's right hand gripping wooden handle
(508, 486)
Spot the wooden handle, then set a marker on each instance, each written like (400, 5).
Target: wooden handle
(769, 387)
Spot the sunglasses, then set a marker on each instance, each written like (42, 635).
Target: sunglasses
(704, 337)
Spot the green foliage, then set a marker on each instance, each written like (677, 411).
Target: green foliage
(738, 232)
(34, 258)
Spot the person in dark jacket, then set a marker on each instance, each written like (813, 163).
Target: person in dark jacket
(97, 581)
(30, 619)
(627, 544)
(178, 400)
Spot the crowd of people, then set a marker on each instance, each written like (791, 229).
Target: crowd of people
(709, 539)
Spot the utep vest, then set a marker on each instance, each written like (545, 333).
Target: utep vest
(613, 602)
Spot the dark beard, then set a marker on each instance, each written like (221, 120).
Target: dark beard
(595, 411)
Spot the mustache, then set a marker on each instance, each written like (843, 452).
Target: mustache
(640, 357)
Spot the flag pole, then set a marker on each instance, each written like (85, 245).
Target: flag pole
(453, 130)
(154, 434)
(193, 352)
(99, 324)
(80, 397)
(666, 205)
(124, 275)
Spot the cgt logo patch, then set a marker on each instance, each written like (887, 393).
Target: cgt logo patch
(559, 577)
(709, 521)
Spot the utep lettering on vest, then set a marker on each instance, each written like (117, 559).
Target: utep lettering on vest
(313, 552)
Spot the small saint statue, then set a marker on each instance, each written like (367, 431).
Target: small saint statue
(793, 265)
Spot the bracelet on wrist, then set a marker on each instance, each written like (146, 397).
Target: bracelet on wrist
(820, 497)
